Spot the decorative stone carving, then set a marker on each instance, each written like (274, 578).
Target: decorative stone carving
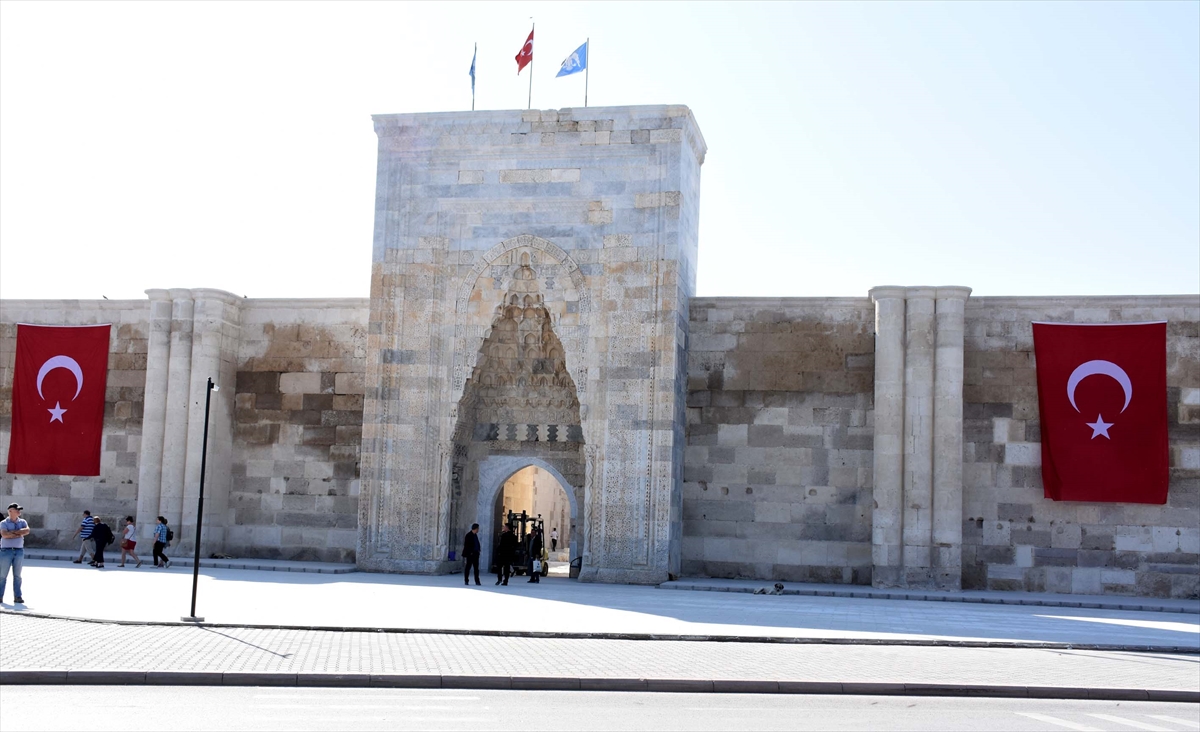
(503, 326)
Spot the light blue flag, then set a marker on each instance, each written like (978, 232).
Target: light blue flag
(574, 63)
(472, 72)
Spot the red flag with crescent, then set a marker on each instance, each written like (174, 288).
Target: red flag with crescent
(58, 399)
(525, 56)
(1102, 397)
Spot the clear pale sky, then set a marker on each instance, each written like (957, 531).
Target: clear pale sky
(1018, 148)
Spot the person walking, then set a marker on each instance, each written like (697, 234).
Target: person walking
(162, 535)
(102, 536)
(471, 554)
(554, 539)
(84, 532)
(129, 542)
(13, 531)
(535, 555)
(505, 554)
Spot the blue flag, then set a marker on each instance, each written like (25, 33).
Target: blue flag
(574, 63)
(472, 72)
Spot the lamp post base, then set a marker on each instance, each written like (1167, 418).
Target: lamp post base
(192, 619)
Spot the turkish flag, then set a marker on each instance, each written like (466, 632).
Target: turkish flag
(58, 399)
(1102, 397)
(525, 57)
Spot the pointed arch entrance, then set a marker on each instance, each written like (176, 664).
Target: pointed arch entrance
(494, 472)
(519, 407)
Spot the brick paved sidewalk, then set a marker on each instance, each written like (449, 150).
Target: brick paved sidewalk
(135, 653)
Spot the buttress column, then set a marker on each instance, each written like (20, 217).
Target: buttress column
(150, 462)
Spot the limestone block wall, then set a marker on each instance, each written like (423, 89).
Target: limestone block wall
(1013, 538)
(297, 430)
(55, 504)
(778, 465)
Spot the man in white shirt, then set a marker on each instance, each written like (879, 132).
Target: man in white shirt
(554, 539)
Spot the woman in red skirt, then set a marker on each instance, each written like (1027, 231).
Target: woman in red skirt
(128, 542)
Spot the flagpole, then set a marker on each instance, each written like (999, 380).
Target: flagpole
(531, 30)
(587, 69)
(473, 57)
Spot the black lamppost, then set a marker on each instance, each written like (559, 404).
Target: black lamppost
(200, 502)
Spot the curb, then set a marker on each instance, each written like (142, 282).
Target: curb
(573, 683)
(564, 635)
(209, 563)
(1127, 604)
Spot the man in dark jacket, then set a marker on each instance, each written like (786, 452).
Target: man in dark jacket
(535, 554)
(102, 536)
(471, 554)
(505, 554)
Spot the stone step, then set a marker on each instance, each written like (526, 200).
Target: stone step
(1045, 599)
(264, 565)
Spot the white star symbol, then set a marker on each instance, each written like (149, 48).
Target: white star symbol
(1100, 427)
(57, 413)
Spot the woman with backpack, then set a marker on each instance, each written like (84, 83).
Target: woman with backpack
(162, 537)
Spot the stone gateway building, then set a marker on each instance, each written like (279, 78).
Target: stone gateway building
(533, 307)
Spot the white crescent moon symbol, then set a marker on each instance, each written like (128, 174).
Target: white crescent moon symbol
(1104, 368)
(61, 362)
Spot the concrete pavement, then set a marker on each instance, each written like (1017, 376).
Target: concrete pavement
(561, 606)
(987, 597)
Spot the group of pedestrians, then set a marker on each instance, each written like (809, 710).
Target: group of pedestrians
(506, 554)
(95, 535)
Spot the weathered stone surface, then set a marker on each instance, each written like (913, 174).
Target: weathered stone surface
(761, 500)
(532, 305)
(614, 290)
(1108, 548)
(54, 504)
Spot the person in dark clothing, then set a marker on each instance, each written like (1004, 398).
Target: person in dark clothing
(505, 554)
(535, 554)
(162, 534)
(471, 554)
(103, 536)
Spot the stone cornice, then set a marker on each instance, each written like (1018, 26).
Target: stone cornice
(779, 302)
(887, 292)
(953, 292)
(208, 293)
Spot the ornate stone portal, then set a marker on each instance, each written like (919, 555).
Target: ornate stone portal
(530, 285)
(520, 402)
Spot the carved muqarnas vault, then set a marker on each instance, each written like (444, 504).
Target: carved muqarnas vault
(520, 399)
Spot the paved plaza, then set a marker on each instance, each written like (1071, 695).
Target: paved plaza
(367, 600)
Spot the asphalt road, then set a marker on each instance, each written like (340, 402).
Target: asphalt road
(129, 709)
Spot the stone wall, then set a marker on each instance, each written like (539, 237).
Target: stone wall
(297, 430)
(1013, 537)
(54, 504)
(777, 475)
